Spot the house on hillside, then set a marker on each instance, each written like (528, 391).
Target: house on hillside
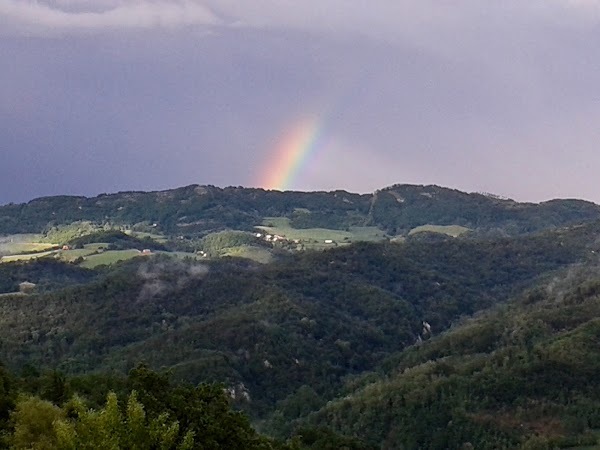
(26, 287)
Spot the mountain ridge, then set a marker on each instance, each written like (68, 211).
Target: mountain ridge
(196, 210)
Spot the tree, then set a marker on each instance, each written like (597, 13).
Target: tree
(109, 429)
(33, 420)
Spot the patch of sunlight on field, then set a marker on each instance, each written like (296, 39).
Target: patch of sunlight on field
(258, 254)
(26, 257)
(87, 250)
(160, 238)
(281, 226)
(23, 237)
(95, 246)
(23, 243)
(109, 257)
(450, 230)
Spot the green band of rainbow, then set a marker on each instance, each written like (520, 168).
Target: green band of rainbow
(291, 155)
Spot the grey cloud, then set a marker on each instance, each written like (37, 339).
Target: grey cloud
(425, 22)
(25, 16)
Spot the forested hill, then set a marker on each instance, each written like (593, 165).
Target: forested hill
(310, 319)
(523, 375)
(414, 317)
(198, 210)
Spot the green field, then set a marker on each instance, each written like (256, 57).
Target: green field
(112, 256)
(450, 230)
(26, 256)
(160, 238)
(23, 243)
(72, 255)
(258, 254)
(87, 250)
(316, 237)
(180, 255)
(95, 246)
(109, 257)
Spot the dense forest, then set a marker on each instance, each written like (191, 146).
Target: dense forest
(418, 340)
(522, 374)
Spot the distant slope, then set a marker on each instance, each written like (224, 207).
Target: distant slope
(198, 210)
(187, 210)
(400, 208)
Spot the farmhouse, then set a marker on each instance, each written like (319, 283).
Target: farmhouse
(26, 287)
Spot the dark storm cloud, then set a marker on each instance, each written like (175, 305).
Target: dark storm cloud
(105, 95)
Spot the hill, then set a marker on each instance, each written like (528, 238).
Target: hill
(198, 210)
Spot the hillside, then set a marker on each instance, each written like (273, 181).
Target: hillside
(310, 319)
(415, 317)
(522, 375)
(198, 210)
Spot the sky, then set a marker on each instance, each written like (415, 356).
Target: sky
(100, 96)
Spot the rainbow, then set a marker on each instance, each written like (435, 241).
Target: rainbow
(291, 154)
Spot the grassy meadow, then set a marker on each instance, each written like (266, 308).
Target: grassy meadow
(109, 257)
(15, 244)
(450, 230)
(316, 237)
(26, 256)
(258, 254)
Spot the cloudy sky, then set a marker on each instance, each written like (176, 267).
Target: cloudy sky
(108, 95)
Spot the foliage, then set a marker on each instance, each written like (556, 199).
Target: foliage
(400, 208)
(521, 376)
(159, 415)
(109, 428)
(33, 420)
(311, 318)
(116, 240)
(67, 232)
(199, 210)
(47, 274)
(217, 244)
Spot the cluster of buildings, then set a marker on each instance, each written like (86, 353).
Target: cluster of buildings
(274, 238)
(279, 238)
